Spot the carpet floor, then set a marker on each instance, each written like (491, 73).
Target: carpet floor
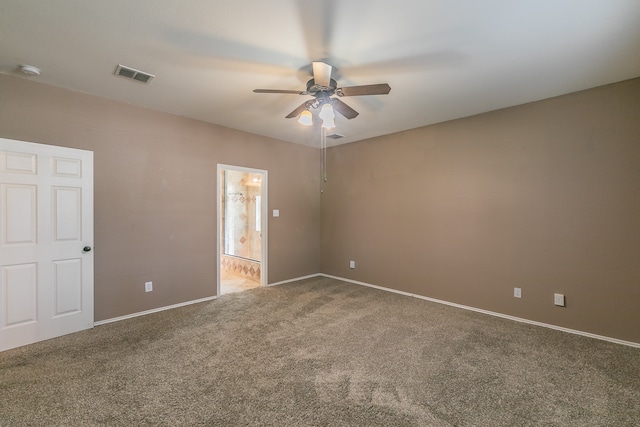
(320, 352)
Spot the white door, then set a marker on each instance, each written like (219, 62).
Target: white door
(46, 237)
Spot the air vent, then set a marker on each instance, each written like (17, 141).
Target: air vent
(335, 136)
(132, 73)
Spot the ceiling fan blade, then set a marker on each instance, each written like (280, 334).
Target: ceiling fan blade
(322, 73)
(297, 92)
(344, 109)
(379, 89)
(297, 111)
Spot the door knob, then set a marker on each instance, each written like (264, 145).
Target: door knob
(86, 249)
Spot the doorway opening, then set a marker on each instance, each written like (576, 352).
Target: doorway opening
(242, 228)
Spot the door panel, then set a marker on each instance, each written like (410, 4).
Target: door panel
(67, 212)
(19, 291)
(19, 214)
(18, 163)
(46, 219)
(67, 167)
(67, 283)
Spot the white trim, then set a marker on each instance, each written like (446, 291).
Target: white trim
(154, 310)
(395, 291)
(182, 304)
(491, 313)
(296, 279)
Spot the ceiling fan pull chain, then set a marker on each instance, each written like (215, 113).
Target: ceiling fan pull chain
(324, 154)
(323, 158)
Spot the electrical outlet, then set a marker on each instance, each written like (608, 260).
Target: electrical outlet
(558, 299)
(352, 264)
(517, 293)
(148, 286)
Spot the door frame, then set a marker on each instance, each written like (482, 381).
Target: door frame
(263, 220)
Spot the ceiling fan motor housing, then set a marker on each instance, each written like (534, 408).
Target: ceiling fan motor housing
(320, 91)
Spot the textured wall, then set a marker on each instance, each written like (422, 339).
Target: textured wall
(544, 196)
(155, 192)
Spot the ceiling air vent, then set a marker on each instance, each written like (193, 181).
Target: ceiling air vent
(335, 136)
(132, 73)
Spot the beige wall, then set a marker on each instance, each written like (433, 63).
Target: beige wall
(544, 196)
(155, 192)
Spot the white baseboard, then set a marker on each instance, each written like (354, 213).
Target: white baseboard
(154, 310)
(182, 304)
(491, 313)
(452, 304)
(294, 280)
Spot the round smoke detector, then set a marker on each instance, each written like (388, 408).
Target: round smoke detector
(30, 70)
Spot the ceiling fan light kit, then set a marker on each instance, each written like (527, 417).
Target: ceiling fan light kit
(322, 88)
(306, 118)
(327, 115)
(328, 123)
(326, 112)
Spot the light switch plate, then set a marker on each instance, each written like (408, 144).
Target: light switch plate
(276, 213)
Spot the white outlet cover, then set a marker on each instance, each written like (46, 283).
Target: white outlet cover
(558, 299)
(517, 292)
(148, 286)
(352, 264)
(276, 213)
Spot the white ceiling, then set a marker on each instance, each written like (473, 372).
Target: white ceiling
(444, 59)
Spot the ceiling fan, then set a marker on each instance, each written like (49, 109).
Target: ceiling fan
(322, 87)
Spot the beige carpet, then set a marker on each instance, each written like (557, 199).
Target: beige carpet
(320, 352)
